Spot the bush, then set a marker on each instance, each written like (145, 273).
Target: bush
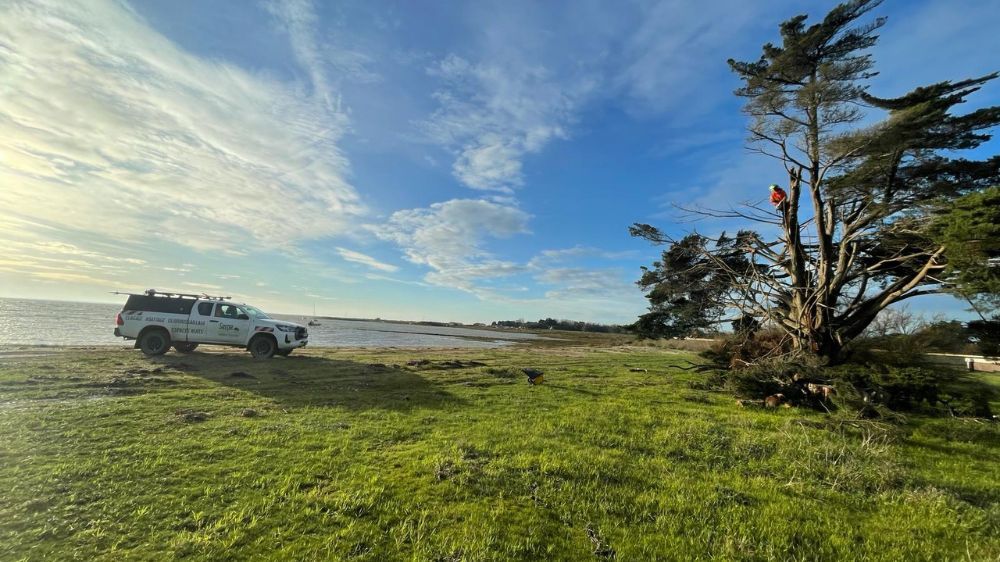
(872, 389)
(987, 335)
(873, 384)
(869, 390)
(740, 351)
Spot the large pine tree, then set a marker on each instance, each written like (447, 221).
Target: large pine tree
(857, 231)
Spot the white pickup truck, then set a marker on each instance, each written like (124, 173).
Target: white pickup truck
(157, 321)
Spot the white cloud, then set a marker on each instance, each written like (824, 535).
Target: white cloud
(298, 18)
(106, 127)
(366, 260)
(493, 114)
(448, 238)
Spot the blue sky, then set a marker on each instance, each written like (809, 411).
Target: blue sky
(467, 161)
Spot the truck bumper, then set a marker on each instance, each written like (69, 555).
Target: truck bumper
(292, 343)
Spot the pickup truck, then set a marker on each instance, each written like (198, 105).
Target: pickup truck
(158, 321)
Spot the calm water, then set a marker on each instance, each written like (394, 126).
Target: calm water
(35, 322)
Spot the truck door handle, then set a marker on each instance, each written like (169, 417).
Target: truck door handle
(213, 320)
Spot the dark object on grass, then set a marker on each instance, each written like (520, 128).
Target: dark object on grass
(534, 376)
(638, 370)
(460, 364)
(774, 400)
(191, 415)
(182, 366)
(249, 413)
(601, 548)
(418, 362)
(241, 375)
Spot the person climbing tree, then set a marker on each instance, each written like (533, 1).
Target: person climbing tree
(777, 195)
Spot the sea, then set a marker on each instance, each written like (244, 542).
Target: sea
(26, 322)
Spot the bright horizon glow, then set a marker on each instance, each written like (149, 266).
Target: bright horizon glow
(382, 160)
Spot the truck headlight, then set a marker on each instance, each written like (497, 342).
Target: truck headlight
(285, 328)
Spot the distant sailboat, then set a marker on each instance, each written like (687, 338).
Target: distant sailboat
(314, 322)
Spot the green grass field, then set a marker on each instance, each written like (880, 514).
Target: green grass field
(352, 454)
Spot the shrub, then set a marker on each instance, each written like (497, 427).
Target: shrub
(868, 388)
(987, 335)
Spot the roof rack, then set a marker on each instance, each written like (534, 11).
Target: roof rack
(154, 293)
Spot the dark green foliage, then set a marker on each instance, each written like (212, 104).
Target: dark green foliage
(970, 227)
(987, 334)
(746, 325)
(930, 390)
(686, 288)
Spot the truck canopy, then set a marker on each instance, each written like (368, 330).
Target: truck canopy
(168, 305)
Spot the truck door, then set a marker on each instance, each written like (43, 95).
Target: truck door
(229, 324)
(198, 323)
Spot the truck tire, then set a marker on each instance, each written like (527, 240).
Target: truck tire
(262, 346)
(155, 341)
(185, 347)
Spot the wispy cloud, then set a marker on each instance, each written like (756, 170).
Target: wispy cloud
(366, 260)
(491, 114)
(448, 238)
(298, 19)
(574, 282)
(108, 128)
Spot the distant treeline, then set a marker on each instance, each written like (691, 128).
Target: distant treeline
(568, 325)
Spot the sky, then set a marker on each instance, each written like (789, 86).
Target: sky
(460, 161)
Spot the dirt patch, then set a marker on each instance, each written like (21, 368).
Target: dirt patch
(449, 364)
(183, 367)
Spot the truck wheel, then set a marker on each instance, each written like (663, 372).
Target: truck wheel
(154, 342)
(262, 347)
(185, 347)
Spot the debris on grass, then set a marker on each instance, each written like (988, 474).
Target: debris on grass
(241, 375)
(638, 370)
(601, 549)
(191, 416)
(774, 400)
(452, 364)
(249, 413)
(460, 364)
(444, 469)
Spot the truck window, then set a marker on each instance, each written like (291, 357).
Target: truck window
(227, 311)
(205, 308)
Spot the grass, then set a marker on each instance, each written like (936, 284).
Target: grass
(352, 454)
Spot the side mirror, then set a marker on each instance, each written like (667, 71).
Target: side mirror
(242, 317)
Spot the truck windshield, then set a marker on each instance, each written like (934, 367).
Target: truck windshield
(256, 312)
